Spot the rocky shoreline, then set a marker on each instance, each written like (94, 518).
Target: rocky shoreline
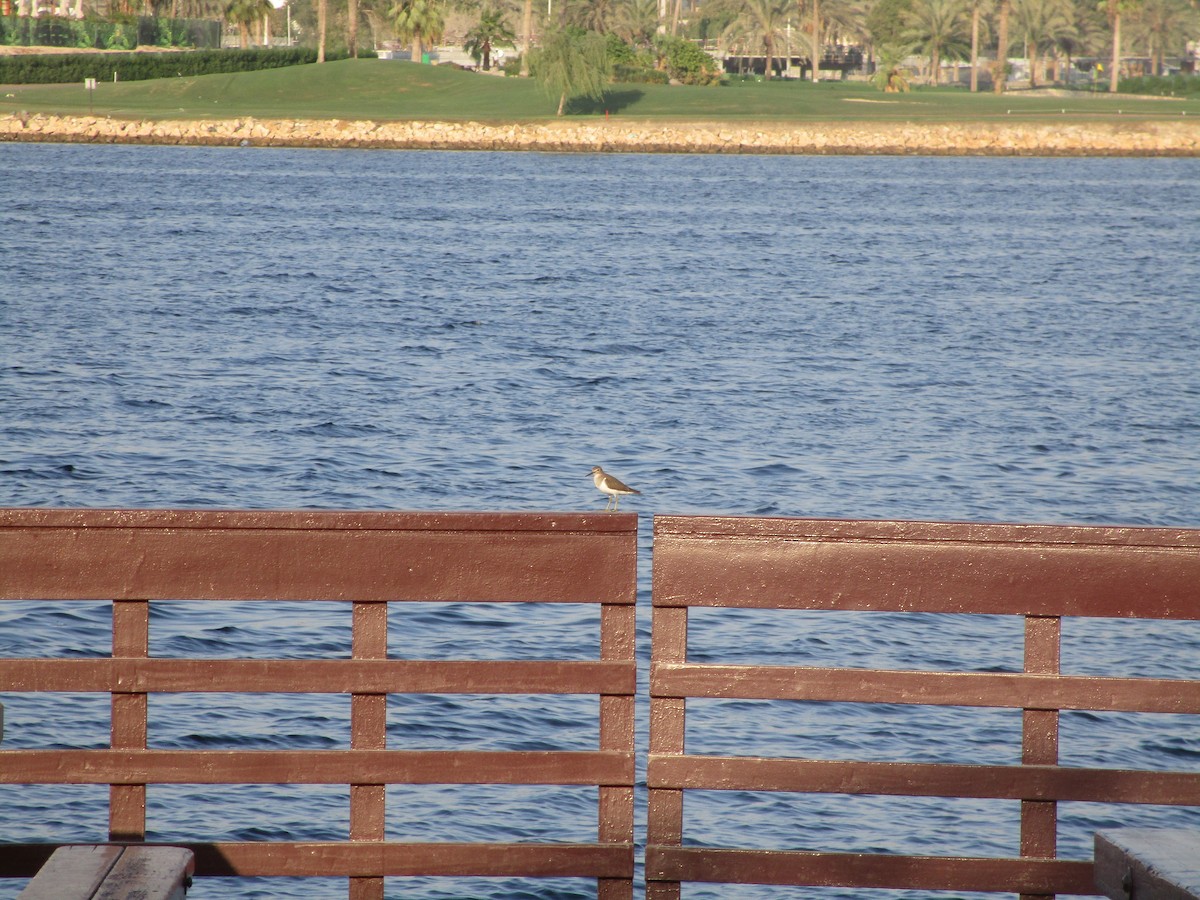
(1136, 138)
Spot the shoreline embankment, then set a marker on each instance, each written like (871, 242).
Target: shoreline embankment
(1135, 138)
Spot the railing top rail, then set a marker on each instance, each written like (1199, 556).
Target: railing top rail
(1038, 570)
(910, 531)
(297, 555)
(317, 520)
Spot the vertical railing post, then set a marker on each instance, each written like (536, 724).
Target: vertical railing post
(130, 639)
(368, 731)
(664, 825)
(618, 639)
(1039, 740)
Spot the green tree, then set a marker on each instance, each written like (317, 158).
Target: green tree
(685, 62)
(571, 63)
(491, 31)
(938, 30)
(245, 14)
(1042, 23)
(764, 22)
(1115, 10)
(889, 74)
(636, 21)
(418, 21)
(887, 22)
(1165, 26)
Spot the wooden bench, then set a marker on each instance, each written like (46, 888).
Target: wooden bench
(1149, 863)
(113, 872)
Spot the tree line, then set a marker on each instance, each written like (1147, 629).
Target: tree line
(1050, 34)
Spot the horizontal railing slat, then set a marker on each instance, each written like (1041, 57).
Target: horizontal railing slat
(982, 689)
(367, 858)
(320, 676)
(923, 779)
(927, 567)
(197, 555)
(864, 870)
(582, 767)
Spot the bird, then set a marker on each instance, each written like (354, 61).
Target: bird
(614, 487)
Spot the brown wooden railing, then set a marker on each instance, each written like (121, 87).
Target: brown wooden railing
(1039, 573)
(134, 558)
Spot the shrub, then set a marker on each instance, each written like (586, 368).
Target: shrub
(687, 63)
(1161, 85)
(637, 74)
(65, 68)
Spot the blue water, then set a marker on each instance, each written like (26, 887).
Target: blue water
(968, 339)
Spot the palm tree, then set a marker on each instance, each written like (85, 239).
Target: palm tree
(526, 35)
(492, 31)
(978, 9)
(1162, 22)
(766, 20)
(636, 21)
(418, 21)
(815, 40)
(937, 28)
(322, 20)
(1042, 24)
(889, 75)
(590, 15)
(1114, 9)
(1000, 67)
(246, 14)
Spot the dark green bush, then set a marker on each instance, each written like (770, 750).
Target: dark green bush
(65, 68)
(635, 74)
(686, 62)
(1161, 85)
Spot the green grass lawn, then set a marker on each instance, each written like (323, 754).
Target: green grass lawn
(391, 90)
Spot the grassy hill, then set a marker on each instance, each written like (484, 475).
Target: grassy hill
(390, 90)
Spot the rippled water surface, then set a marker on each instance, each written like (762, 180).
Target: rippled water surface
(978, 339)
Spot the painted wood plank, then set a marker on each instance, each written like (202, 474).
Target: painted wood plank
(72, 872)
(149, 873)
(867, 870)
(927, 567)
(735, 773)
(322, 676)
(583, 767)
(205, 555)
(980, 689)
(1149, 863)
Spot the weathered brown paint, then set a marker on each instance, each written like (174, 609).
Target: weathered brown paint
(363, 859)
(199, 555)
(1025, 782)
(867, 870)
(136, 557)
(603, 767)
(314, 676)
(927, 567)
(983, 689)
(1038, 572)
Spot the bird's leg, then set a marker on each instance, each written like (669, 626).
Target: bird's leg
(616, 502)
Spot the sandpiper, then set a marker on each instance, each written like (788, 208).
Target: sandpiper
(614, 487)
